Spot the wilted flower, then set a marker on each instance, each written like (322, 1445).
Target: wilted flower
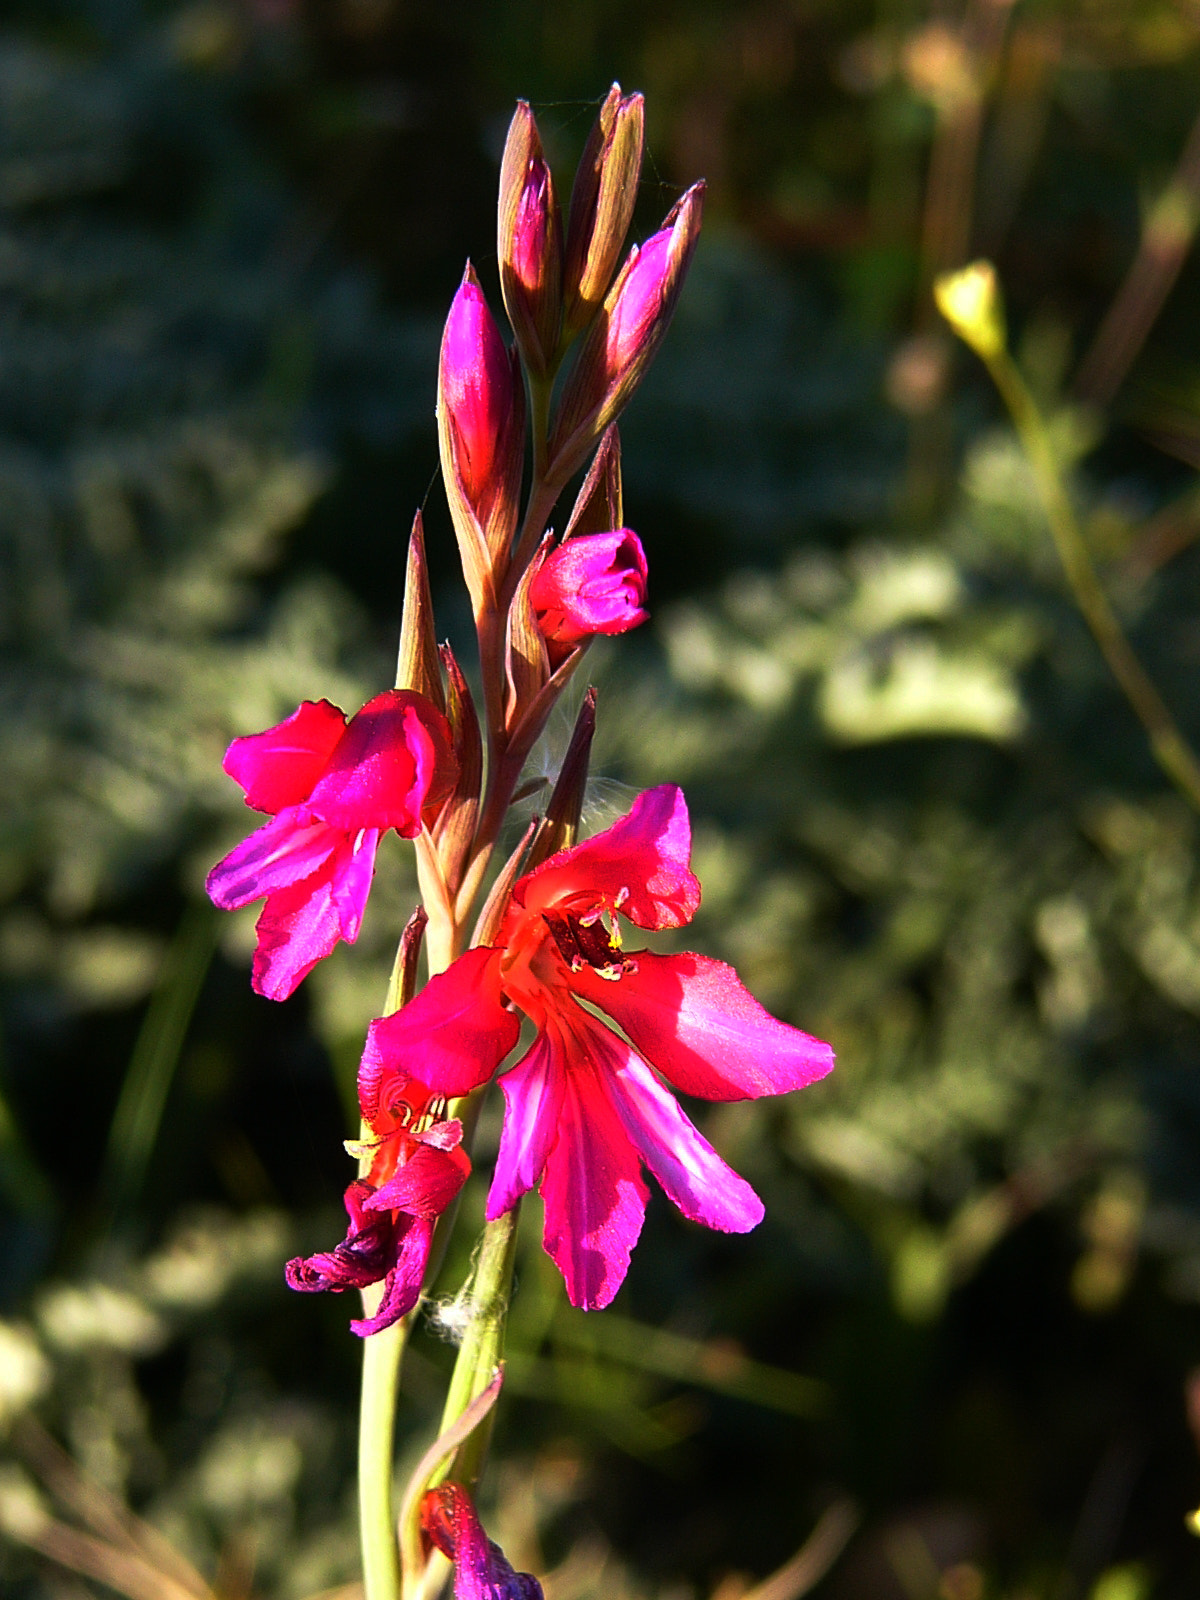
(334, 788)
(416, 1169)
(595, 583)
(481, 1569)
(584, 1110)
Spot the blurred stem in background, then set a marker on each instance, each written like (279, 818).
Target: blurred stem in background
(138, 1115)
(970, 302)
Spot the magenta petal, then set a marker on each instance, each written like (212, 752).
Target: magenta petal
(355, 867)
(385, 765)
(423, 1186)
(533, 1096)
(278, 768)
(402, 1286)
(299, 926)
(452, 1036)
(594, 583)
(640, 865)
(291, 847)
(481, 1569)
(694, 1021)
(691, 1172)
(593, 1191)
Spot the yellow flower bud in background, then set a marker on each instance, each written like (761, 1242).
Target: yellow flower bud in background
(969, 299)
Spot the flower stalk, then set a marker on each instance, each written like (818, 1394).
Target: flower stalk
(587, 1110)
(970, 302)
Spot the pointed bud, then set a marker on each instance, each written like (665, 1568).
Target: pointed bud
(529, 244)
(560, 828)
(626, 336)
(602, 201)
(455, 827)
(481, 428)
(599, 505)
(417, 662)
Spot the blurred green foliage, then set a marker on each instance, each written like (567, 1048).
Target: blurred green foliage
(927, 825)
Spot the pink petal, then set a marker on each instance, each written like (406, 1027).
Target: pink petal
(640, 865)
(594, 583)
(298, 927)
(355, 867)
(593, 1190)
(533, 1096)
(452, 1036)
(481, 1569)
(279, 767)
(402, 1286)
(691, 1172)
(282, 852)
(393, 756)
(424, 1186)
(693, 1020)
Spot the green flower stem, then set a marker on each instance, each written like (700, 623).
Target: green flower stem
(487, 1293)
(1171, 750)
(382, 1353)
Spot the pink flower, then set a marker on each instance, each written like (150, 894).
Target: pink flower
(583, 1109)
(595, 583)
(334, 788)
(417, 1169)
(481, 1569)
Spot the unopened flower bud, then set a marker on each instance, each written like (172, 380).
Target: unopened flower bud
(529, 243)
(602, 201)
(481, 422)
(595, 583)
(627, 334)
(476, 386)
(970, 302)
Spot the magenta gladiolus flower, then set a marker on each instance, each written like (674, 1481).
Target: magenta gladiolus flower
(477, 388)
(418, 1166)
(584, 1110)
(481, 1569)
(595, 583)
(334, 788)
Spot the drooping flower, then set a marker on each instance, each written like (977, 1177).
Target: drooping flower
(334, 787)
(418, 1166)
(584, 1111)
(594, 583)
(481, 1569)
